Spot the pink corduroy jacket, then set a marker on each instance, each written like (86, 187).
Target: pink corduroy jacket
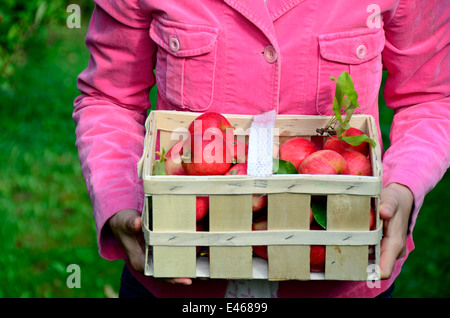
(246, 57)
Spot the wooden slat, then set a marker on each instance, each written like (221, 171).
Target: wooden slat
(375, 152)
(273, 237)
(230, 213)
(172, 213)
(295, 183)
(145, 229)
(288, 211)
(293, 125)
(145, 163)
(167, 140)
(286, 125)
(346, 212)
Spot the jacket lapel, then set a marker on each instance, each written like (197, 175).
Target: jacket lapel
(263, 16)
(256, 12)
(279, 7)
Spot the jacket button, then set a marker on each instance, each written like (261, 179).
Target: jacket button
(270, 54)
(174, 44)
(361, 51)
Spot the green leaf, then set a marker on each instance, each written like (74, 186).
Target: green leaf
(159, 168)
(345, 100)
(319, 209)
(337, 105)
(281, 166)
(345, 86)
(357, 140)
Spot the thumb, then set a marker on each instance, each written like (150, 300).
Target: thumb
(126, 221)
(388, 204)
(133, 222)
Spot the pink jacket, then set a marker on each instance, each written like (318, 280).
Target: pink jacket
(239, 56)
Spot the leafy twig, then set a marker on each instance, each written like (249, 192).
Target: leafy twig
(345, 101)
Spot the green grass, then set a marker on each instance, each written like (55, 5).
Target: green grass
(47, 221)
(46, 217)
(426, 272)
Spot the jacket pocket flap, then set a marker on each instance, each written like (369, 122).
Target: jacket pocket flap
(351, 47)
(183, 40)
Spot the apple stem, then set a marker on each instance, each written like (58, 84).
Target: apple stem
(162, 155)
(327, 130)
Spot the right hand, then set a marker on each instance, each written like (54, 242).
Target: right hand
(127, 228)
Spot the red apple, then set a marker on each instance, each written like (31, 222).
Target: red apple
(340, 146)
(240, 153)
(173, 164)
(364, 147)
(372, 219)
(205, 157)
(358, 164)
(311, 216)
(296, 150)
(317, 258)
(317, 254)
(324, 162)
(209, 120)
(318, 141)
(237, 169)
(332, 143)
(259, 201)
(202, 207)
(260, 225)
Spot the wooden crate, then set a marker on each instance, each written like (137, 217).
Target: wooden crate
(169, 213)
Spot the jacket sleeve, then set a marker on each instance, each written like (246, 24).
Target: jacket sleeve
(417, 59)
(111, 110)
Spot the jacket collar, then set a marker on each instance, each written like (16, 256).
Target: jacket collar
(263, 16)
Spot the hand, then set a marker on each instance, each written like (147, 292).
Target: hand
(127, 227)
(395, 209)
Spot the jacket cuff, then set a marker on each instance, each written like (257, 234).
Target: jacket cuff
(108, 246)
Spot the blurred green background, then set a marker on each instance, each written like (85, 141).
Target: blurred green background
(46, 220)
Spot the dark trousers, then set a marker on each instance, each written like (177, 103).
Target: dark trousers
(130, 287)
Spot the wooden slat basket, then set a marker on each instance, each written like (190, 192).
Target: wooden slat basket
(169, 222)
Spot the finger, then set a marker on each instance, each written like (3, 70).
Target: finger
(135, 253)
(126, 225)
(137, 246)
(137, 259)
(393, 245)
(179, 281)
(133, 222)
(389, 254)
(388, 204)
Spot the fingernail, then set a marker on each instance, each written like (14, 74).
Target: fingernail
(388, 211)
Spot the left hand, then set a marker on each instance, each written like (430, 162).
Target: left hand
(395, 209)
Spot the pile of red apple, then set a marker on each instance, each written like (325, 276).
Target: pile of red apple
(317, 252)
(212, 149)
(333, 157)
